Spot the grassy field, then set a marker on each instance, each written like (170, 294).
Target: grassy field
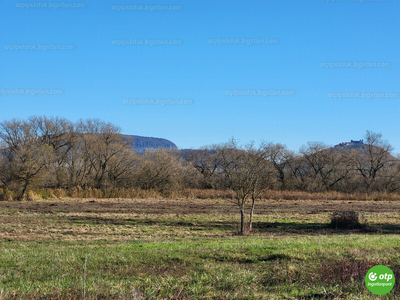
(188, 249)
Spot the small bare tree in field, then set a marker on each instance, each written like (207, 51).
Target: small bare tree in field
(263, 169)
(246, 172)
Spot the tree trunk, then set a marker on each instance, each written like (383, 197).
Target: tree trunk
(242, 224)
(23, 193)
(253, 202)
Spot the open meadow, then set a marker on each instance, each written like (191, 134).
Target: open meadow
(199, 150)
(189, 249)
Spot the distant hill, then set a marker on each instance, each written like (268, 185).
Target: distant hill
(359, 145)
(351, 145)
(141, 143)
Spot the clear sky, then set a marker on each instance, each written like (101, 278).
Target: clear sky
(285, 71)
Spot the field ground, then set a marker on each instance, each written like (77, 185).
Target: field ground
(187, 249)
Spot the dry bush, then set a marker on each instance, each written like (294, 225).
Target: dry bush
(59, 193)
(272, 194)
(332, 195)
(289, 195)
(88, 192)
(144, 194)
(346, 220)
(300, 195)
(111, 193)
(171, 194)
(382, 196)
(74, 192)
(31, 196)
(130, 193)
(45, 193)
(6, 195)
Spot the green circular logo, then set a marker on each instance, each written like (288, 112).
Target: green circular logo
(379, 280)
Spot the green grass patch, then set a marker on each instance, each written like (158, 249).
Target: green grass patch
(175, 249)
(289, 267)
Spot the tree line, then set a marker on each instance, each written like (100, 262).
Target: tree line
(53, 152)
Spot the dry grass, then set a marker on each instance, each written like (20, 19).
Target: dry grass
(86, 193)
(123, 219)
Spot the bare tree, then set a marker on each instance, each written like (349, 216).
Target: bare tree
(60, 135)
(243, 173)
(280, 157)
(370, 160)
(121, 168)
(54, 152)
(260, 163)
(98, 155)
(325, 166)
(297, 172)
(205, 161)
(159, 170)
(100, 143)
(6, 176)
(24, 153)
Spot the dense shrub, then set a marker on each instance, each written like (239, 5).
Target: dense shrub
(6, 195)
(31, 196)
(346, 220)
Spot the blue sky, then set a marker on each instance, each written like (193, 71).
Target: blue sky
(301, 70)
